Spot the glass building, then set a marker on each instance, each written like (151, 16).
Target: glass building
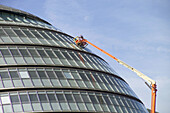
(41, 70)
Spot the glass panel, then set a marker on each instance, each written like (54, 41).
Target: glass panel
(17, 83)
(81, 106)
(33, 74)
(64, 106)
(85, 98)
(93, 99)
(46, 106)
(42, 74)
(77, 98)
(17, 108)
(42, 97)
(73, 107)
(7, 83)
(36, 82)
(36, 107)
(24, 98)
(46, 82)
(24, 74)
(69, 98)
(14, 74)
(27, 83)
(60, 97)
(56, 106)
(4, 75)
(33, 97)
(27, 107)
(59, 75)
(90, 107)
(55, 82)
(7, 108)
(15, 52)
(51, 97)
(68, 75)
(5, 100)
(51, 74)
(10, 60)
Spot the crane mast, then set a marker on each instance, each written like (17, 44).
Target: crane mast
(81, 42)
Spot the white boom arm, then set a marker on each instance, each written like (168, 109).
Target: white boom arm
(137, 72)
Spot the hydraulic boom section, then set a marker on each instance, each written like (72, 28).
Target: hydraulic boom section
(83, 43)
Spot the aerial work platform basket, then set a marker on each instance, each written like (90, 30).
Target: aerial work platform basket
(79, 41)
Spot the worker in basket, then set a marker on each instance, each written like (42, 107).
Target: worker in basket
(80, 41)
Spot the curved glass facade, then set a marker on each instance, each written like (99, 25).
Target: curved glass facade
(41, 70)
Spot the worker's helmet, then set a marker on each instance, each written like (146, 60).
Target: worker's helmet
(81, 36)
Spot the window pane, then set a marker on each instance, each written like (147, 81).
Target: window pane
(51, 74)
(15, 52)
(42, 97)
(60, 98)
(5, 100)
(59, 55)
(33, 53)
(85, 98)
(24, 98)
(93, 99)
(33, 74)
(42, 53)
(14, 74)
(77, 98)
(24, 52)
(59, 74)
(33, 97)
(51, 97)
(17, 108)
(67, 75)
(24, 74)
(4, 75)
(42, 74)
(69, 97)
(27, 107)
(5, 52)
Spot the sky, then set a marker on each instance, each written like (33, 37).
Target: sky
(135, 31)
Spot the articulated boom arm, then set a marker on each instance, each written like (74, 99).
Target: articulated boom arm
(137, 72)
(152, 82)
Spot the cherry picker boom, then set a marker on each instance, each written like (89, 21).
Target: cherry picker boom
(82, 43)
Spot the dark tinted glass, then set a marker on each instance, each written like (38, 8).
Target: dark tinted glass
(93, 99)
(50, 54)
(42, 53)
(85, 98)
(4, 75)
(14, 98)
(42, 97)
(14, 74)
(24, 52)
(60, 97)
(59, 55)
(77, 98)
(15, 52)
(5, 52)
(42, 74)
(33, 53)
(59, 74)
(51, 74)
(33, 74)
(69, 97)
(33, 97)
(24, 98)
(51, 97)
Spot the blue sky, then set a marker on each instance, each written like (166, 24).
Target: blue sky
(135, 31)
